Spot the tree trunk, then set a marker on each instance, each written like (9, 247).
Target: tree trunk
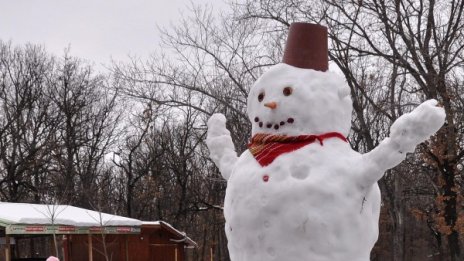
(398, 219)
(450, 213)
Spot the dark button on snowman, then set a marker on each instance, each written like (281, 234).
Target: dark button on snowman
(300, 192)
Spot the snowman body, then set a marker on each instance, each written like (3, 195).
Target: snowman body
(320, 202)
(310, 208)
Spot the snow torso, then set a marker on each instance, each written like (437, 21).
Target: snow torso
(309, 209)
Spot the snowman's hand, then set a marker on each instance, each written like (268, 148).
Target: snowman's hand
(220, 145)
(415, 127)
(405, 134)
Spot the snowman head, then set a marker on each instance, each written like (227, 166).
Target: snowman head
(299, 96)
(287, 100)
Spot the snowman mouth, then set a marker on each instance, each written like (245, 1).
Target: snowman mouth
(275, 125)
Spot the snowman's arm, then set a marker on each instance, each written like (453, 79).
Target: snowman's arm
(406, 133)
(383, 157)
(220, 145)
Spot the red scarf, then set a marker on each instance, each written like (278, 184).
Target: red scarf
(266, 147)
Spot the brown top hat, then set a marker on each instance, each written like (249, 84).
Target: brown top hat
(307, 47)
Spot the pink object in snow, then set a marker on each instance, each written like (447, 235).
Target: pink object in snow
(52, 258)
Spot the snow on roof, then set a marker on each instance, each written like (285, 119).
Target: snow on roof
(168, 226)
(22, 213)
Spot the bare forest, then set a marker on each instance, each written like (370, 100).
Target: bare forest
(130, 140)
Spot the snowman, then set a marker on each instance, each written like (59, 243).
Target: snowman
(300, 192)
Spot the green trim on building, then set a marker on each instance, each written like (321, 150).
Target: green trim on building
(21, 229)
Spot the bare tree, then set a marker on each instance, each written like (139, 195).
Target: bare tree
(52, 212)
(27, 121)
(136, 158)
(89, 118)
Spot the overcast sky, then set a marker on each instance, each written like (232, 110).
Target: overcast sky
(96, 30)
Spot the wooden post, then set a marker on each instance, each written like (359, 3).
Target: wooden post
(90, 247)
(127, 248)
(52, 246)
(7, 248)
(16, 248)
(175, 253)
(65, 241)
(31, 247)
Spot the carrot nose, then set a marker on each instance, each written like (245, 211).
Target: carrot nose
(271, 105)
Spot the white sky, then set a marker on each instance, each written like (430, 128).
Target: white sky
(96, 30)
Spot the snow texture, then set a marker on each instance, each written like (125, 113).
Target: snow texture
(21, 213)
(319, 203)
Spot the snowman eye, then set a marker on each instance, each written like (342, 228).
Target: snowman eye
(287, 91)
(261, 97)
